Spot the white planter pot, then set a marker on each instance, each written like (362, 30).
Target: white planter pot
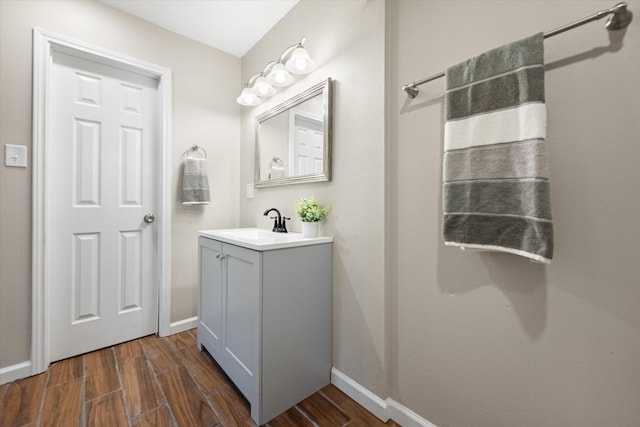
(309, 229)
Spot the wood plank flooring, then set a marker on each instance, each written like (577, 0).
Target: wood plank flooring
(156, 382)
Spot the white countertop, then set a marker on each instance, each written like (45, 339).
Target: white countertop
(261, 239)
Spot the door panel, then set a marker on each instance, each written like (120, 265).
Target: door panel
(102, 268)
(130, 280)
(241, 313)
(85, 280)
(86, 147)
(242, 310)
(210, 313)
(131, 166)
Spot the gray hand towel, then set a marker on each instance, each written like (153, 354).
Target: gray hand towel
(195, 183)
(495, 171)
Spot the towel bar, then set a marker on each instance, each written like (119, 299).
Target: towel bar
(620, 18)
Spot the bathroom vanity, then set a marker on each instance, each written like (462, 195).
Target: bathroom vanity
(265, 314)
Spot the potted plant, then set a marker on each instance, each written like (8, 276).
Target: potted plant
(310, 212)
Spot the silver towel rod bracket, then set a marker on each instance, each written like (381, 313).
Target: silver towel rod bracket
(619, 17)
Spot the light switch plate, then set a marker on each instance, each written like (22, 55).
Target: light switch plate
(251, 192)
(15, 155)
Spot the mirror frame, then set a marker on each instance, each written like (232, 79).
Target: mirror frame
(325, 88)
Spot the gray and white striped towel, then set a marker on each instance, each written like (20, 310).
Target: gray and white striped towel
(495, 172)
(195, 182)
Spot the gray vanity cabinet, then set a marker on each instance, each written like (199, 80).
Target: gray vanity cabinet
(266, 318)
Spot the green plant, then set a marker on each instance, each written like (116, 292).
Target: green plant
(309, 210)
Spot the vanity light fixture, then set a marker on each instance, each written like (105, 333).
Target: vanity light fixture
(295, 59)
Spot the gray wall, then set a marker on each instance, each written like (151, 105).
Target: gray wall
(480, 339)
(204, 113)
(346, 38)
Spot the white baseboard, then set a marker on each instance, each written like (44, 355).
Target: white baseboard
(384, 409)
(15, 372)
(405, 416)
(361, 395)
(183, 325)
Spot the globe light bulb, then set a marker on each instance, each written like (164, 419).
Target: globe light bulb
(279, 76)
(301, 63)
(248, 98)
(262, 88)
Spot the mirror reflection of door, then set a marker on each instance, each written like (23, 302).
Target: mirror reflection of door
(306, 155)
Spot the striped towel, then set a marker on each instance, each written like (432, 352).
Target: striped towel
(495, 172)
(195, 183)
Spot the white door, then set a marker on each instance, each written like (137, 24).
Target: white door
(101, 164)
(308, 145)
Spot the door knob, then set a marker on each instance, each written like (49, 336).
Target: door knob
(149, 218)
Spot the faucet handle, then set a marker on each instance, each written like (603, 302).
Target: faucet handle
(283, 228)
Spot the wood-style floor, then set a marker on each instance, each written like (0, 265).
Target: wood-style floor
(155, 382)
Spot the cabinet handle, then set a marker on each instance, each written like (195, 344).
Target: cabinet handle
(220, 257)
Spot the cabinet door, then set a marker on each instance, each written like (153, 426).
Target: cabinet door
(210, 304)
(242, 317)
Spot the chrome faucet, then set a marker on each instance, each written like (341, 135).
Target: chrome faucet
(280, 223)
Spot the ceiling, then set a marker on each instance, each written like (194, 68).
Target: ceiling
(233, 26)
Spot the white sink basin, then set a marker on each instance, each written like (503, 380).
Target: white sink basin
(260, 239)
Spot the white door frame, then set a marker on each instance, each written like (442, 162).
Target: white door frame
(44, 43)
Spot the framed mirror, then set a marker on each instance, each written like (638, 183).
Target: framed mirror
(293, 139)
